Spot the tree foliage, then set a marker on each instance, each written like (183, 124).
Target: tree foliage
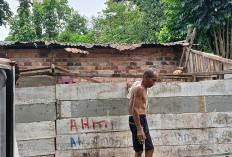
(119, 23)
(153, 17)
(48, 20)
(211, 17)
(76, 24)
(5, 12)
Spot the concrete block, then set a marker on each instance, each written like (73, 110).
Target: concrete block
(108, 152)
(159, 138)
(31, 95)
(35, 130)
(35, 112)
(94, 140)
(192, 150)
(93, 108)
(173, 105)
(191, 136)
(91, 91)
(203, 88)
(92, 124)
(159, 151)
(155, 122)
(36, 147)
(218, 103)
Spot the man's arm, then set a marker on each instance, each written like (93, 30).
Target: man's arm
(137, 101)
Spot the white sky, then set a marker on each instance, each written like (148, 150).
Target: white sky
(86, 8)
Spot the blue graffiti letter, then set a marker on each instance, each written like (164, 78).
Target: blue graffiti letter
(72, 142)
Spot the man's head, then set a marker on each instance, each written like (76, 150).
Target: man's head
(149, 77)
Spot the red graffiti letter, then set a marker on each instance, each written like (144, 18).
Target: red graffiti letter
(73, 124)
(99, 123)
(85, 124)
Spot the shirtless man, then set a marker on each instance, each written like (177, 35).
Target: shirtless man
(138, 109)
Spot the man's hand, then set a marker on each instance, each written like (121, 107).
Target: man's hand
(141, 135)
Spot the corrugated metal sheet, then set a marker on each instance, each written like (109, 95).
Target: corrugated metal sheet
(9, 44)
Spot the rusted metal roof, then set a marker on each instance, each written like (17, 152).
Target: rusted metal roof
(83, 47)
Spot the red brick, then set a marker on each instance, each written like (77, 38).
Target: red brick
(106, 71)
(27, 64)
(114, 79)
(34, 55)
(172, 63)
(106, 60)
(171, 54)
(84, 80)
(122, 79)
(35, 50)
(48, 60)
(130, 79)
(157, 54)
(132, 71)
(10, 55)
(38, 64)
(107, 79)
(46, 64)
(11, 50)
(91, 55)
(76, 80)
(90, 67)
(164, 54)
(163, 71)
(106, 68)
(96, 50)
(154, 50)
(118, 63)
(138, 79)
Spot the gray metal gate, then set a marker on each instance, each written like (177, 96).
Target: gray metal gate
(7, 82)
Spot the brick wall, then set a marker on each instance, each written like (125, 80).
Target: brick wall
(99, 61)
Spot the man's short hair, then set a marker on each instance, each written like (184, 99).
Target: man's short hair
(149, 73)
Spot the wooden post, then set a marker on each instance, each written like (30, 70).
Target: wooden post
(190, 46)
(184, 49)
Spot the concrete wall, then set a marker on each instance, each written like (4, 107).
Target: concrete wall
(91, 120)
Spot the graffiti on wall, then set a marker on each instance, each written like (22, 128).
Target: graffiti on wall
(86, 124)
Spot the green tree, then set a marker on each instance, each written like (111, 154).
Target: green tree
(5, 12)
(119, 23)
(76, 24)
(211, 17)
(154, 16)
(47, 20)
(21, 26)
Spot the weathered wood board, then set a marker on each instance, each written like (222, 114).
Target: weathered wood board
(35, 130)
(36, 147)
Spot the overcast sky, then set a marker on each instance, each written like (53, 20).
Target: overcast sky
(87, 8)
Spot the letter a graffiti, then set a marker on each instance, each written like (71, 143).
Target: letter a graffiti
(72, 142)
(73, 124)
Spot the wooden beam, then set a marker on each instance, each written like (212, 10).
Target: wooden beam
(35, 69)
(190, 46)
(212, 56)
(186, 44)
